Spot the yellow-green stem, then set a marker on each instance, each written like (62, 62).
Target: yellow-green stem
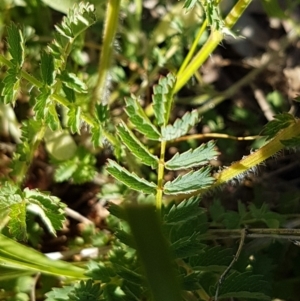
(111, 24)
(214, 39)
(241, 167)
(160, 176)
(193, 49)
(256, 158)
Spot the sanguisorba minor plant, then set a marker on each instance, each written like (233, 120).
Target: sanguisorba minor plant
(159, 251)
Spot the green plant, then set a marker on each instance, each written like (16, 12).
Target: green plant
(160, 247)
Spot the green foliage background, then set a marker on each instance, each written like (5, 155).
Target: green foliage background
(110, 93)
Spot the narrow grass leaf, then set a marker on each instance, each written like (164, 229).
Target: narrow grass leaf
(18, 256)
(140, 120)
(154, 252)
(192, 158)
(189, 182)
(136, 147)
(130, 179)
(180, 127)
(163, 99)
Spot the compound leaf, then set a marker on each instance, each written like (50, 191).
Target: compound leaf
(80, 17)
(163, 98)
(130, 179)
(136, 147)
(15, 42)
(192, 158)
(180, 126)
(245, 286)
(189, 182)
(141, 121)
(280, 121)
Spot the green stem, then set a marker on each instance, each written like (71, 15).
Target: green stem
(214, 39)
(111, 23)
(193, 49)
(262, 154)
(248, 163)
(160, 176)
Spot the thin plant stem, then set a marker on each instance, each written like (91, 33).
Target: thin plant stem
(214, 135)
(111, 24)
(234, 260)
(259, 156)
(160, 176)
(213, 41)
(193, 48)
(237, 169)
